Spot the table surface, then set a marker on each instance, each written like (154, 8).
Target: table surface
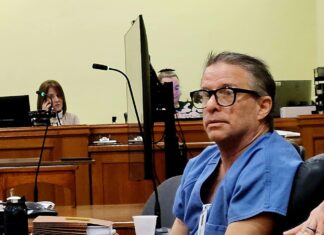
(119, 214)
(33, 162)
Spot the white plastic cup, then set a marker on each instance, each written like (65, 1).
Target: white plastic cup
(145, 224)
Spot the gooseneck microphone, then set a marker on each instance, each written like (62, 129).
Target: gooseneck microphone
(38, 165)
(42, 94)
(100, 66)
(157, 208)
(105, 67)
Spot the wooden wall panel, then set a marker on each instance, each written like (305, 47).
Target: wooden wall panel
(61, 142)
(115, 175)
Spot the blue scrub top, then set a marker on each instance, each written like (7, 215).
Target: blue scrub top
(260, 180)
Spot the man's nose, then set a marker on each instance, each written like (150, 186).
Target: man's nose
(212, 103)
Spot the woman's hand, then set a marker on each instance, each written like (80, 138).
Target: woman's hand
(46, 105)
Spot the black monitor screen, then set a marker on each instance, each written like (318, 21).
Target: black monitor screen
(154, 101)
(137, 63)
(292, 93)
(14, 111)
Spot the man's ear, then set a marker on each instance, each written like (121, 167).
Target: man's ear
(265, 104)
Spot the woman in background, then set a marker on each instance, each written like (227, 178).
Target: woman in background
(55, 97)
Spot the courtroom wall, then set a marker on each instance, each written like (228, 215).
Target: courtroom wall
(60, 39)
(320, 32)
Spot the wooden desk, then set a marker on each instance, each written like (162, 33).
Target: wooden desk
(119, 168)
(61, 142)
(113, 165)
(115, 213)
(117, 174)
(312, 133)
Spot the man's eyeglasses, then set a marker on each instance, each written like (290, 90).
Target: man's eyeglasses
(225, 96)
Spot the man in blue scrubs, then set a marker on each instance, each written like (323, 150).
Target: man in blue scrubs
(242, 184)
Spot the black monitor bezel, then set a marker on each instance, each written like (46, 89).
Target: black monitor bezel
(15, 111)
(156, 106)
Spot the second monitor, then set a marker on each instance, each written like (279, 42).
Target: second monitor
(290, 93)
(14, 111)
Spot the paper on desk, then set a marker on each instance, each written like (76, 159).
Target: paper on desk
(65, 225)
(288, 133)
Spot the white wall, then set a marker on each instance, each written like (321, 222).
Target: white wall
(60, 39)
(320, 32)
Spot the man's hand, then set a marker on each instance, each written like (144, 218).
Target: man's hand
(313, 225)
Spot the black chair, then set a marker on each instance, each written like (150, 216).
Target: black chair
(166, 192)
(307, 191)
(300, 149)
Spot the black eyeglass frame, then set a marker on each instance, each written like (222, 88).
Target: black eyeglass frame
(213, 92)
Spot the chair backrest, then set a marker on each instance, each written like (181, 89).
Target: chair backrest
(166, 192)
(307, 191)
(300, 149)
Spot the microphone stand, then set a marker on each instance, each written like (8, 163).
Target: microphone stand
(157, 208)
(41, 153)
(132, 96)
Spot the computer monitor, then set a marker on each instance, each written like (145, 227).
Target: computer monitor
(147, 92)
(14, 111)
(292, 93)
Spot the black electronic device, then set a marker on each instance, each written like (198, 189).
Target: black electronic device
(154, 101)
(15, 216)
(35, 209)
(14, 111)
(292, 93)
(43, 117)
(319, 89)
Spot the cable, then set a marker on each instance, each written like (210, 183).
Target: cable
(38, 165)
(183, 139)
(58, 119)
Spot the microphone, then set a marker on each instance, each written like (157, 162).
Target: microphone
(105, 67)
(41, 93)
(157, 208)
(100, 66)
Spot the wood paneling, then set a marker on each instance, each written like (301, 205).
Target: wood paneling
(116, 175)
(60, 175)
(61, 142)
(312, 133)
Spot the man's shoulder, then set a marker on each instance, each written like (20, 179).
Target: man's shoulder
(273, 147)
(271, 140)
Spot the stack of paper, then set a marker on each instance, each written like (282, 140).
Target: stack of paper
(51, 225)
